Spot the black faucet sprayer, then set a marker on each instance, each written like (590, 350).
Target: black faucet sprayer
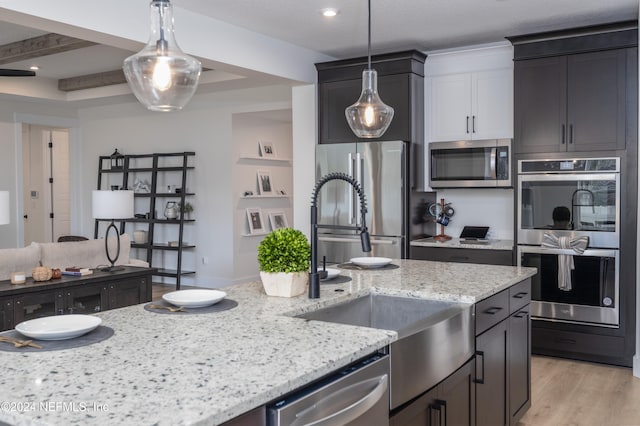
(314, 277)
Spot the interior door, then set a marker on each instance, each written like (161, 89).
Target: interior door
(46, 183)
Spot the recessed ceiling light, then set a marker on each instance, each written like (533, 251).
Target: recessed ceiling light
(329, 12)
(34, 68)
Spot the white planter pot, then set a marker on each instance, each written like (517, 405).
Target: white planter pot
(284, 284)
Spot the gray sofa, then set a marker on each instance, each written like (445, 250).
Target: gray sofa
(84, 254)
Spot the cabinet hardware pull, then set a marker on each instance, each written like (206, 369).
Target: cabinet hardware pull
(467, 124)
(473, 124)
(570, 133)
(521, 314)
(520, 295)
(443, 405)
(492, 311)
(476, 379)
(563, 134)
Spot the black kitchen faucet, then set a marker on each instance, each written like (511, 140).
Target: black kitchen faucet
(314, 277)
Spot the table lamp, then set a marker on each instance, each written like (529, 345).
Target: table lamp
(112, 205)
(5, 210)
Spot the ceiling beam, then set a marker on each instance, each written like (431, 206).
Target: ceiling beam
(90, 81)
(43, 45)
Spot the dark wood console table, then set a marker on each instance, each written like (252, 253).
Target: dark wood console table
(88, 294)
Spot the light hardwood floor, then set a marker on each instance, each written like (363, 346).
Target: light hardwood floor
(574, 393)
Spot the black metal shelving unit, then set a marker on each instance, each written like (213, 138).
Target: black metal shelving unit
(179, 163)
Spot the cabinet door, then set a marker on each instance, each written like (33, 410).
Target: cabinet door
(37, 305)
(127, 293)
(456, 395)
(540, 107)
(596, 100)
(422, 412)
(87, 299)
(519, 364)
(450, 112)
(335, 97)
(492, 104)
(491, 376)
(6, 314)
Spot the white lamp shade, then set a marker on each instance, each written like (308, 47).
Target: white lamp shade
(112, 204)
(5, 210)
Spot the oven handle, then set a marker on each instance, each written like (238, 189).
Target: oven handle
(587, 252)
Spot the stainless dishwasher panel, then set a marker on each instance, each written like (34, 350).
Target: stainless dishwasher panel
(357, 396)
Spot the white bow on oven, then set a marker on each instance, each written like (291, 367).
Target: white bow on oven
(565, 261)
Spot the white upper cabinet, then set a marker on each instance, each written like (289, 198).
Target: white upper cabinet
(469, 95)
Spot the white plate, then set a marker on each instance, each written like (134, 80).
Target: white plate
(58, 327)
(194, 298)
(331, 273)
(371, 262)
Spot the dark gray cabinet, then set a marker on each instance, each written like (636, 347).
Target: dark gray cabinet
(491, 376)
(89, 294)
(503, 356)
(129, 292)
(452, 402)
(462, 255)
(572, 89)
(400, 85)
(571, 103)
(519, 364)
(87, 299)
(6, 314)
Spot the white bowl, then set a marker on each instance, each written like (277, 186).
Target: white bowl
(58, 327)
(371, 262)
(194, 298)
(331, 273)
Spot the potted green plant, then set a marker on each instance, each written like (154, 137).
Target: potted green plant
(186, 210)
(284, 256)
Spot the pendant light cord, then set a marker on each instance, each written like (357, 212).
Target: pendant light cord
(369, 37)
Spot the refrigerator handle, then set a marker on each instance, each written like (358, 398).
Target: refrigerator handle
(360, 178)
(350, 198)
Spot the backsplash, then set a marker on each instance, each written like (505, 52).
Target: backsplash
(480, 207)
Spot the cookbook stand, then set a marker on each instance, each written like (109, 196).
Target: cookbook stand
(441, 236)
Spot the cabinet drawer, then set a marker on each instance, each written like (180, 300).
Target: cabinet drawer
(491, 311)
(519, 296)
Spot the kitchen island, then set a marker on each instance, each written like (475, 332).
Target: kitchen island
(210, 368)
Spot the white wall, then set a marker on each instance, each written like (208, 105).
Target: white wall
(248, 129)
(205, 127)
(480, 207)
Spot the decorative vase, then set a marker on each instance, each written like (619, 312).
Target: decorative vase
(140, 237)
(284, 284)
(171, 210)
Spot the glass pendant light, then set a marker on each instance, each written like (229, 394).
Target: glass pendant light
(369, 117)
(161, 76)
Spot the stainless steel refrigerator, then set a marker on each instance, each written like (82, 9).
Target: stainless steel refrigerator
(382, 169)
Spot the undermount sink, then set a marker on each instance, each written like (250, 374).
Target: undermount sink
(435, 337)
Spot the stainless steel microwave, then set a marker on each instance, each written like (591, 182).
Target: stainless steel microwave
(470, 164)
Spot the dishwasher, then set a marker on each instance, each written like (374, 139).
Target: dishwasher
(357, 395)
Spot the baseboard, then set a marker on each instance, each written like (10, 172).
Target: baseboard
(636, 365)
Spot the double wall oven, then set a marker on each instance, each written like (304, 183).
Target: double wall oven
(571, 198)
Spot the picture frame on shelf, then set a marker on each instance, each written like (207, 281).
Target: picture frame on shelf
(278, 220)
(256, 221)
(267, 149)
(265, 187)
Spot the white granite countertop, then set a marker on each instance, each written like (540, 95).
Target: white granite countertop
(160, 369)
(457, 243)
